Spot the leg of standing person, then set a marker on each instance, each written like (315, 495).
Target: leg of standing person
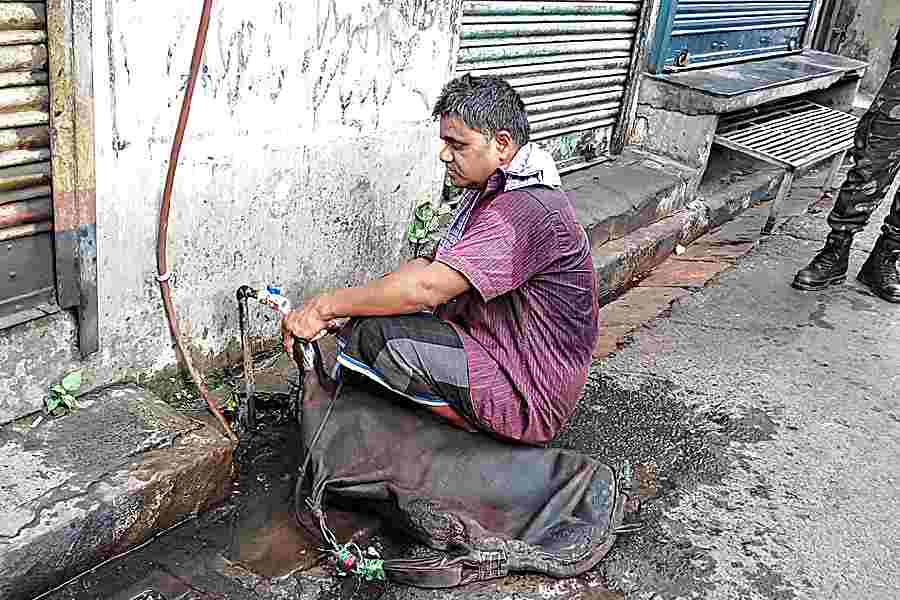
(876, 156)
(880, 270)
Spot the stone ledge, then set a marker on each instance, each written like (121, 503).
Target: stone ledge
(733, 182)
(676, 278)
(77, 490)
(729, 88)
(617, 264)
(729, 188)
(632, 191)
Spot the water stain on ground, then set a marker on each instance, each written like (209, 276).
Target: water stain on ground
(817, 317)
(647, 422)
(673, 446)
(266, 536)
(252, 547)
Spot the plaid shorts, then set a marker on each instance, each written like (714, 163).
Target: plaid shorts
(415, 356)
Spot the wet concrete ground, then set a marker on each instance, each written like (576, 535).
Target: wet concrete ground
(765, 423)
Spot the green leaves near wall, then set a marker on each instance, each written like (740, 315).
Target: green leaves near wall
(62, 395)
(427, 223)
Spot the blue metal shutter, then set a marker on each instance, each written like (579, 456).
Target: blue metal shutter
(568, 60)
(719, 31)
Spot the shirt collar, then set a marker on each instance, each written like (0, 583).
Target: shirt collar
(530, 166)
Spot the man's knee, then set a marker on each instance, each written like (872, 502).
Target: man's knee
(371, 326)
(374, 331)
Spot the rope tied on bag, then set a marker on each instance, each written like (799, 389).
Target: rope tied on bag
(348, 558)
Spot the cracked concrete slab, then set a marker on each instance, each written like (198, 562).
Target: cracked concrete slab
(639, 305)
(79, 489)
(734, 87)
(689, 274)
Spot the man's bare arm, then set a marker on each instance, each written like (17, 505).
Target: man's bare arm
(411, 265)
(418, 285)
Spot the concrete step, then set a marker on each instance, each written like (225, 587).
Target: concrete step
(678, 277)
(631, 191)
(729, 186)
(711, 254)
(79, 489)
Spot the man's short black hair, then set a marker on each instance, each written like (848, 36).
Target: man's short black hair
(485, 104)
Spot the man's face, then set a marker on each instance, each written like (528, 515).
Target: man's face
(470, 156)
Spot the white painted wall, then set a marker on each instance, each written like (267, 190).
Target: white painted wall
(310, 140)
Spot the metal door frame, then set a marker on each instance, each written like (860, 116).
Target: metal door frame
(826, 24)
(639, 55)
(70, 61)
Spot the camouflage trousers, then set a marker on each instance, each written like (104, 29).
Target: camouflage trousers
(876, 154)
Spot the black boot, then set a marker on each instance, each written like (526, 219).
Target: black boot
(880, 270)
(829, 266)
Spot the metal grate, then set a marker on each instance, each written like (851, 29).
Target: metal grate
(794, 135)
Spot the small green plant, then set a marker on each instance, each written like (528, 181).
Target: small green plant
(426, 224)
(231, 394)
(62, 395)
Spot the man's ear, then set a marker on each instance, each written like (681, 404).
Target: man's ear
(506, 147)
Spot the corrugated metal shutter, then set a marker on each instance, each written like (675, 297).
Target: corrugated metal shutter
(569, 61)
(716, 31)
(26, 250)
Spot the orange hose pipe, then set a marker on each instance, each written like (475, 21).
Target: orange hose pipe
(162, 237)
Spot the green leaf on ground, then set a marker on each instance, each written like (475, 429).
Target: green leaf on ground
(54, 402)
(72, 381)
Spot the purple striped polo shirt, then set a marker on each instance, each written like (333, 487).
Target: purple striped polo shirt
(529, 325)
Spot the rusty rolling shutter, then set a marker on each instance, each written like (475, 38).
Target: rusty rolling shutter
(26, 246)
(569, 60)
(706, 32)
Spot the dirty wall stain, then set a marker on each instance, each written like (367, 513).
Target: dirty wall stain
(361, 53)
(272, 187)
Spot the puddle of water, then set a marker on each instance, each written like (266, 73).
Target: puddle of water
(265, 536)
(271, 543)
(250, 542)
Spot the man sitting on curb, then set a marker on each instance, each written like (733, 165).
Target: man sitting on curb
(876, 153)
(495, 333)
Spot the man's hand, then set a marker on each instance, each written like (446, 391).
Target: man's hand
(305, 323)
